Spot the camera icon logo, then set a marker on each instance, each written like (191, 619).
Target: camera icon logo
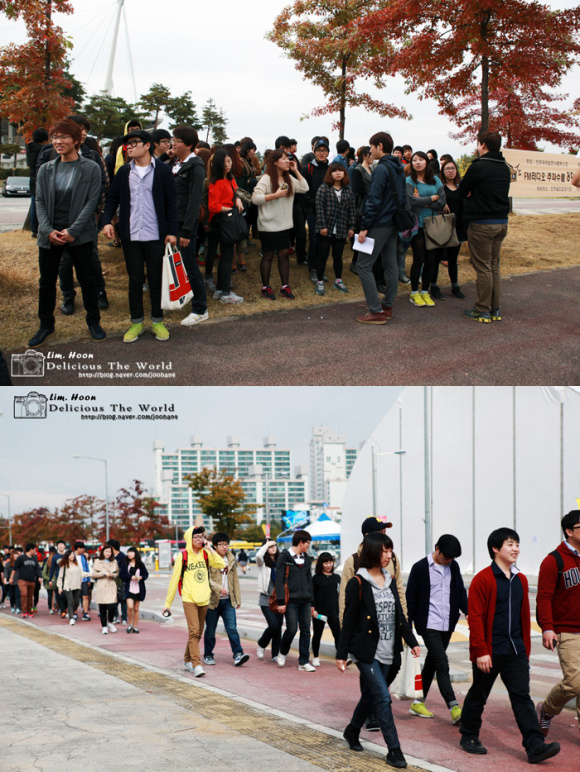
(33, 405)
(29, 365)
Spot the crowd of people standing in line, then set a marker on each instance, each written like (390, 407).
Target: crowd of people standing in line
(155, 190)
(371, 615)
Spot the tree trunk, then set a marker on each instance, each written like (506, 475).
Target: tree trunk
(47, 62)
(485, 94)
(342, 118)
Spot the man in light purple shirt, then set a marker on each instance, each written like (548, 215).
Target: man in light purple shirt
(435, 596)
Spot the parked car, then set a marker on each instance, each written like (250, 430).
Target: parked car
(16, 186)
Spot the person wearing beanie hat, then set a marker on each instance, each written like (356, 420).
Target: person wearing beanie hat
(349, 569)
(435, 596)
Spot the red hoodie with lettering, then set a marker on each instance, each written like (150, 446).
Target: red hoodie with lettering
(558, 600)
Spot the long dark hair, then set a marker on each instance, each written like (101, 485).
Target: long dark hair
(218, 167)
(324, 557)
(232, 151)
(63, 562)
(456, 179)
(362, 153)
(374, 544)
(270, 560)
(429, 179)
(138, 561)
(272, 171)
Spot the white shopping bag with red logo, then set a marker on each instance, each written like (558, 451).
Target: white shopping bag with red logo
(175, 287)
(408, 684)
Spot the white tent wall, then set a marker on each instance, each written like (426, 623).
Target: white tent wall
(497, 456)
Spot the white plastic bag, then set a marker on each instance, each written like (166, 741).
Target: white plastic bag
(408, 684)
(175, 287)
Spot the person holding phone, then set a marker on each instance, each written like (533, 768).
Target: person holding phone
(372, 628)
(274, 197)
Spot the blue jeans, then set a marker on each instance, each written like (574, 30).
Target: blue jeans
(227, 612)
(297, 614)
(374, 678)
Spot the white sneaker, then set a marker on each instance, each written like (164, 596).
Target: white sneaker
(281, 660)
(315, 662)
(72, 622)
(307, 668)
(105, 630)
(188, 666)
(231, 299)
(198, 671)
(51, 612)
(124, 622)
(192, 319)
(260, 652)
(111, 627)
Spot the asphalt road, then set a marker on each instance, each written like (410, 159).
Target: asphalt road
(537, 343)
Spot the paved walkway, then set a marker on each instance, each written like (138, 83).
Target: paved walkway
(321, 701)
(537, 343)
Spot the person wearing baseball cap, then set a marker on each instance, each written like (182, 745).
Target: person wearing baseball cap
(435, 596)
(349, 569)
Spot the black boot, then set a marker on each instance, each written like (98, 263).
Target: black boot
(456, 290)
(436, 292)
(351, 736)
(68, 305)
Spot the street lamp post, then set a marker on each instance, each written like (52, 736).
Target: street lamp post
(9, 518)
(103, 461)
(374, 471)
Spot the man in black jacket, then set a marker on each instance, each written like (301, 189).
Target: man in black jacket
(435, 596)
(293, 568)
(379, 208)
(314, 173)
(39, 140)
(144, 190)
(189, 173)
(485, 188)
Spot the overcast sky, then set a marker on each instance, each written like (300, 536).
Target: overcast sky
(38, 465)
(218, 50)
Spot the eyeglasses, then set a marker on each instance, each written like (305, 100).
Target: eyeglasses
(175, 141)
(135, 142)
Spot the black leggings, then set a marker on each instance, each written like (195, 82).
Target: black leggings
(283, 267)
(323, 246)
(318, 627)
(107, 610)
(422, 258)
(450, 254)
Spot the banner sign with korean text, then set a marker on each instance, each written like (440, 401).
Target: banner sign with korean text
(542, 175)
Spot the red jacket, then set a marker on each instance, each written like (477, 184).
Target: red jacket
(220, 193)
(558, 602)
(481, 601)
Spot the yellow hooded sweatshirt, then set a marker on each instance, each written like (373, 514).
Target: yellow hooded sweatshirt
(196, 588)
(120, 159)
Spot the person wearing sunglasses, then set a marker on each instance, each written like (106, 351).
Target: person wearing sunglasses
(435, 596)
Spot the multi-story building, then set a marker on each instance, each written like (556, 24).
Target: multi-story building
(331, 463)
(265, 475)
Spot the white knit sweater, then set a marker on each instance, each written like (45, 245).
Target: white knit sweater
(275, 215)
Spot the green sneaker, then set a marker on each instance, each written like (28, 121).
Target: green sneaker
(421, 710)
(133, 332)
(160, 331)
(456, 714)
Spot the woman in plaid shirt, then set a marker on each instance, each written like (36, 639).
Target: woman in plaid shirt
(335, 219)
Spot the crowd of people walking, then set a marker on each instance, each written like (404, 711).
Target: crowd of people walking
(155, 192)
(371, 614)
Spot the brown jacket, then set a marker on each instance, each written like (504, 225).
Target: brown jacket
(105, 587)
(215, 582)
(394, 568)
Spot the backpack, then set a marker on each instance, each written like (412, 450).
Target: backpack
(184, 567)
(560, 565)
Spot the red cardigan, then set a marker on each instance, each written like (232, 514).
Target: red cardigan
(482, 599)
(220, 193)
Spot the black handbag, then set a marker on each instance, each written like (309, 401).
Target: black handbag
(231, 226)
(403, 218)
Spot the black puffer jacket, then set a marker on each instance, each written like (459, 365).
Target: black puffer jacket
(486, 187)
(299, 578)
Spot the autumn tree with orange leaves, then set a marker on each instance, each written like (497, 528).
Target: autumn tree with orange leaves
(322, 37)
(32, 78)
(460, 51)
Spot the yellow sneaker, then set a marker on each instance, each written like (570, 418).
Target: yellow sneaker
(420, 709)
(133, 333)
(417, 299)
(456, 714)
(427, 299)
(160, 331)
